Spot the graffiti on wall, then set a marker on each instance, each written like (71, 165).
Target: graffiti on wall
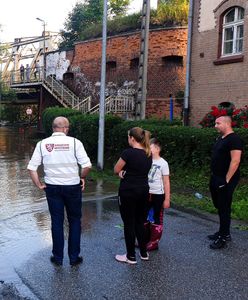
(57, 64)
(84, 87)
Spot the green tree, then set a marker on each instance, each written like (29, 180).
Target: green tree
(118, 8)
(84, 15)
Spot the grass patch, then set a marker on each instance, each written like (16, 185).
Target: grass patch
(185, 183)
(190, 201)
(106, 175)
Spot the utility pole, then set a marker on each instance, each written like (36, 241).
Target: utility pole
(100, 154)
(188, 66)
(140, 105)
(1, 88)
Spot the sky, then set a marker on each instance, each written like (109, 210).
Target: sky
(18, 18)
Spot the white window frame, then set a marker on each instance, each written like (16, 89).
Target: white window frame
(234, 25)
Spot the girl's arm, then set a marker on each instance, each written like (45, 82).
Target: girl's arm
(166, 182)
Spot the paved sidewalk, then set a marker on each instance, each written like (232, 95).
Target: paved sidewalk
(183, 268)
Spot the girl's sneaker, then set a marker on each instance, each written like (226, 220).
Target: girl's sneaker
(123, 258)
(144, 256)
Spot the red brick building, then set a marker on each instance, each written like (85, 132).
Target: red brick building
(166, 67)
(219, 55)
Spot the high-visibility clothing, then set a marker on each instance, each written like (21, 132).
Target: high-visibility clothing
(61, 157)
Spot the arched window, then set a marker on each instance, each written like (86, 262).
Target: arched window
(233, 32)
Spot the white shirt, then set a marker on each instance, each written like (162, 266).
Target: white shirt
(159, 169)
(60, 155)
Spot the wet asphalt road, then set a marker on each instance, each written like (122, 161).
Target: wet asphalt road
(183, 268)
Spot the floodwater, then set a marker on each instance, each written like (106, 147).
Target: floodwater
(24, 218)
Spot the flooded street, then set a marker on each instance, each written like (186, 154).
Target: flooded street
(24, 217)
(184, 267)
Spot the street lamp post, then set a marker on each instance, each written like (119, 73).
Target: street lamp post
(100, 154)
(1, 78)
(1, 91)
(44, 46)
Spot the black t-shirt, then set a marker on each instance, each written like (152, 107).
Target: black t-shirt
(221, 154)
(137, 168)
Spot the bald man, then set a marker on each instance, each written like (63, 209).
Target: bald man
(61, 157)
(225, 162)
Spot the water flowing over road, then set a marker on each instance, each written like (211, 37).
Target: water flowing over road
(184, 267)
(24, 217)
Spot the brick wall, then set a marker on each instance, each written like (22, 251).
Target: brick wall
(165, 75)
(212, 84)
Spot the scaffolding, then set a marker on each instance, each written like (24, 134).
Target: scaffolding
(26, 51)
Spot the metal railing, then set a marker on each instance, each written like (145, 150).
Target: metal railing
(116, 104)
(83, 106)
(61, 92)
(25, 77)
(113, 104)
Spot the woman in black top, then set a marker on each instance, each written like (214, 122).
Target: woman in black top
(133, 167)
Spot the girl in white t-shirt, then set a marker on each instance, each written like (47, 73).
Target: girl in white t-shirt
(159, 189)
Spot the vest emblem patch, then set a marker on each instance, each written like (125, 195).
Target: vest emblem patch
(49, 147)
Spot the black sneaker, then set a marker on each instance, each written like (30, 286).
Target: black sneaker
(219, 243)
(144, 256)
(78, 261)
(216, 235)
(55, 262)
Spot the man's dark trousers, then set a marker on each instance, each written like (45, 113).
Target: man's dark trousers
(222, 200)
(70, 198)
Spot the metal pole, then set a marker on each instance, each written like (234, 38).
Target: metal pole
(44, 46)
(144, 86)
(188, 67)
(1, 92)
(171, 108)
(100, 154)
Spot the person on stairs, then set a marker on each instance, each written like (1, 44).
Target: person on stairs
(159, 189)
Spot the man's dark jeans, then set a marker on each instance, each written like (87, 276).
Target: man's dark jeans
(70, 198)
(222, 193)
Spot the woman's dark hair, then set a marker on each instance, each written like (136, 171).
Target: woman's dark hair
(142, 137)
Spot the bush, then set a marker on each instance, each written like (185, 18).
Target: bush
(239, 116)
(83, 127)
(183, 147)
(51, 113)
(166, 15)
(116, 26)
(174, 12)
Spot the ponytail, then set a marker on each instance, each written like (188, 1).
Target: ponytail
(142, 137)
(147, 142)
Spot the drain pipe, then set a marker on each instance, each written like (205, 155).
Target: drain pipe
(188, 66)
